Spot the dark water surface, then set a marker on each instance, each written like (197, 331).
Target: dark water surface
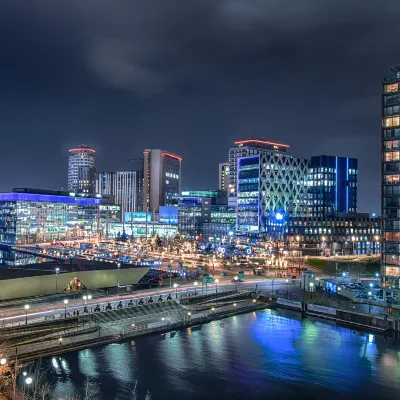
(263, 355)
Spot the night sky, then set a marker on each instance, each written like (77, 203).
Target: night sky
(191, 76)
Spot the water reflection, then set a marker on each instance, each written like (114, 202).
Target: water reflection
(251, 356)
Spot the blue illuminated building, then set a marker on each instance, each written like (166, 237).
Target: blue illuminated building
(271, 187)
(332, 185)
(30, 216)
(248, 182)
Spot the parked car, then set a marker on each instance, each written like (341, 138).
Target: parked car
(237, 280)
(156, 281)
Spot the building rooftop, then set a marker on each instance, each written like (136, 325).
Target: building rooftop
(48, 196)
(164, 153)
(254, 141)
(83, 147)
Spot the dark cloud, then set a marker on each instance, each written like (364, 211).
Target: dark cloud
(192, 76)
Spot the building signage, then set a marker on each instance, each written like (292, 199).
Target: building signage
(289, 303)
(321, 309)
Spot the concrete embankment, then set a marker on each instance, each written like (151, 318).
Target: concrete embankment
(45, 339)
(343, 316)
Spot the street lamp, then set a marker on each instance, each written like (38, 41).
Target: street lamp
(26, 313)
(370, 294)
(311, 286)
(353, 239)
(287, 281)
(57, 271)
(216, 285)
(176, 289)
(195, 288)
(28, 380)
(119, 266)
(65, 307)
(3, 361)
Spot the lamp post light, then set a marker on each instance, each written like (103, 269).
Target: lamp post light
(216, 285)
(287, 281)
(176, 289)
(118, 266)
(353, 239)
(57, 271)
(28, 380)
(26, 313)
(195, 288)
(3, 361)
(65, 307)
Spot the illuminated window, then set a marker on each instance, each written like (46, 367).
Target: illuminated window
(392, 178)
(393, 87)
(392, 156)
(391, 121)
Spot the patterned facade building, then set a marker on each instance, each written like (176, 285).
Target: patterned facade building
(271, 187)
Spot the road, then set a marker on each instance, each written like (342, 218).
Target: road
(38, 312)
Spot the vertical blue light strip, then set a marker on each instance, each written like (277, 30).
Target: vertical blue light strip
(347, 184)
(337, 188)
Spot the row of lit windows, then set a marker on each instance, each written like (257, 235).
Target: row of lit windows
(392, 156)
(169, 175)
(391, 87)
(393, 179)
(391, 121)
(391, 144)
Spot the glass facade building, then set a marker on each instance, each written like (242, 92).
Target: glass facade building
(248, 193)
(205, 216)
(270, 187)
(28, 218)
(116, 229)
(390, 182)
(248, 148)
(332, 185)
(336, 234)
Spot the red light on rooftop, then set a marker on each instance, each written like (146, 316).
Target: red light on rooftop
(172, 156)
(83, 149)
(261, 141)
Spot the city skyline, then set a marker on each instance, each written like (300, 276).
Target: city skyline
(315, 69)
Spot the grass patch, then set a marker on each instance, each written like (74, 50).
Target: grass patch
(353, 268)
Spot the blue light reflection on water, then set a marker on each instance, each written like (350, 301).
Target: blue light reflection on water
(250, 356)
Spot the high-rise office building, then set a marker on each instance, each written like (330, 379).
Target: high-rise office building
(248, 148)
(332, 185)
(199, 207)
(162, 179)
(125, 186)
(271, 186)
(391, 175)
(223, 177)
(81, 170)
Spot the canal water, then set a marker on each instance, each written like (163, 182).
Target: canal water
(261, 355)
